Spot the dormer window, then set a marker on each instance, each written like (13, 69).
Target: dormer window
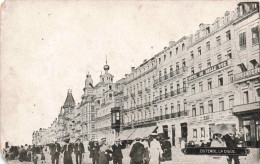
(183, 46)
(176, 50)
(207, 30)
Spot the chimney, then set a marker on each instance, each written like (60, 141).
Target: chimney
(145, 60)
(172, 43)
(165, 47)
(132, 69)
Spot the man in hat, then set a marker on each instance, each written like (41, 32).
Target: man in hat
(95, 152)
(117, 152)
(67, 150)
(90, 148)
(104, 155)
(55, 152)
(137, 152)
(146, 150)
(155, 149)
(79, 150)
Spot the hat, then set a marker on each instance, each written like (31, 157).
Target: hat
(137, 138)
(102, 139)
(154, 134)
(78, 139)
(117, 139)
(67, 140)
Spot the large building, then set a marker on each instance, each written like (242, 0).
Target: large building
(207, 78)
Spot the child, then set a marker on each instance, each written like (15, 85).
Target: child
(35, 158)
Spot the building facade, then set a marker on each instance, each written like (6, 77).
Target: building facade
(207, 78)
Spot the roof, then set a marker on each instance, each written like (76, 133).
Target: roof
(69, 102)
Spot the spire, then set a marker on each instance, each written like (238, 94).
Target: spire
(106, 67)
(69, 102)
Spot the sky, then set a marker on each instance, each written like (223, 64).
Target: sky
(48, 47)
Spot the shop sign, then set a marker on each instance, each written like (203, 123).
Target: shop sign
(208, 70)
(247, 74)
(219, 151)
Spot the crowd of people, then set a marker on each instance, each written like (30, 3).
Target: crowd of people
(142, 151)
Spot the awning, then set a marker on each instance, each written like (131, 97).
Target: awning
(125, 134)
(142, 132)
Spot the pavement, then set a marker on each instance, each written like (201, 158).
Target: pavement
(177, 158)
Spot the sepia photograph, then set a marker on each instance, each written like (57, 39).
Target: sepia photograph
(129, 82)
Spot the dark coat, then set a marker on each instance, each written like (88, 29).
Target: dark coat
(230, 142)
(137, 153)
(67, 149)
(79, 148)
(117, 152)
(55, 147)
(95, 151)
(90, 148)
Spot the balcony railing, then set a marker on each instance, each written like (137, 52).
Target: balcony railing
(157, 118)
(139, 106)
(132, 94)
(140, 92)
(126, 97)
(179, 71)
(147, 89)
(247, 74)
(246, 107)
(171, 94)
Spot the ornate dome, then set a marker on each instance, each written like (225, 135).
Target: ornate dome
(106, 67)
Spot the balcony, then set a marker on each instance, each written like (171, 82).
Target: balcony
(147, 89)
(250, 107)
(169, 76)
(132, 95)
(139, 106)
(140, 92)
(126, 97)
(243, 76)
(147, 104)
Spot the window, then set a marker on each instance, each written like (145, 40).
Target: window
(170, 54)
(201, 109)
(199, 51)
(210, 104)
(219, 58)
(184, 85)
(192, 55)
(159, 60)
(183, 46)
(231, 101)
(230, 77)
(218, 41)
(229, 54)
(221, 104)
(184, 105)
(201, 86)
(171, 71)
(200, 67)
(209, 84)
(194, 133)
(242, 40)
(176, 50)
(228, 35)
(220, 80)
(177, 66)
(164, 57)
(192, 70)
(245, 97)
(255, 35)
(172, 108)
(202, 132)
(208, 63)
(208, 46)
(207, 30)
(178, 106)
(193, 89)
(183, 63)
(242, 67)
(193, 110)
(166, 109)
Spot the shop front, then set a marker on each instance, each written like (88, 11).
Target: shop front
(249, 123)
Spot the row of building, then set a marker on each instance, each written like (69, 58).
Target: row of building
(201, 80)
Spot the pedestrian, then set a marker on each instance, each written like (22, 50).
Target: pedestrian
(35, 159)
(231, 142)
(55, 152)
(95, 154)
(146, 150)
(166, 147)
(90, 148)
(117, 152)
(105, 153)
(67, 150)
(218, 141)
(22, 154)
(137, 152)
(155, 149)
(78, 151)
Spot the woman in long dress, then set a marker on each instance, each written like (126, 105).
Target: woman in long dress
(155, 150)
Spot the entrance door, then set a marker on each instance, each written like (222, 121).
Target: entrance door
(184, 131)
(173, 135)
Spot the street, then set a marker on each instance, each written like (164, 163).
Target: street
(178, 158)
